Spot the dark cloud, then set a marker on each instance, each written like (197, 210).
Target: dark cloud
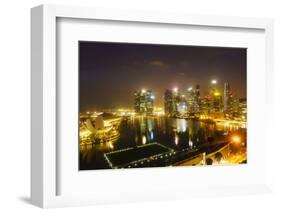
(158, 63)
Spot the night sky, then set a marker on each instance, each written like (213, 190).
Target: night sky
(109, 73)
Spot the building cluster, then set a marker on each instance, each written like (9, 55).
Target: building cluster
(144, 102)
(191, 104)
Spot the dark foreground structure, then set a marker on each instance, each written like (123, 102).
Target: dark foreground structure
(137, 156)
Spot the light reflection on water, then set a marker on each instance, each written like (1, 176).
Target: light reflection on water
(171, 132)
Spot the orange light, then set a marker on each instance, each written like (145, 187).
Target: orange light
(236, 139)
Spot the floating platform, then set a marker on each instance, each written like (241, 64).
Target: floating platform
(136, 155)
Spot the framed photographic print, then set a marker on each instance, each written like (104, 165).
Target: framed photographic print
(148, 105)
(201, 123)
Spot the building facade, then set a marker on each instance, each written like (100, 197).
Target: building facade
(144, 102)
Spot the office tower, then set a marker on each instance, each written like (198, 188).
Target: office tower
(242, 109)
(205, 105)
(144, 101)
(193, 99)
(198, 98)
(173, 102)
(182, 105)
(168, 103)
(197, 91)
(226, 95)
(216, 98)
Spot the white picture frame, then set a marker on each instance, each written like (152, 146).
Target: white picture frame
(44, 155)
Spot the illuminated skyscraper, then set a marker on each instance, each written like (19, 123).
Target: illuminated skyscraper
(144, 101)
(242, 109)
(193, 99)
(216, 98)
(174, 103)
(169, 105)
(226, 96)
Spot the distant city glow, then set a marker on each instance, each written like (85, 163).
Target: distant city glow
(189, 89)
(143, 90)
(175, 89)
(214, 81)
(217, 94)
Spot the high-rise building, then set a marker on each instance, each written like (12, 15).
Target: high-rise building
(144, 101)
(198, 97)
(191, 100)
(234, 108)
(173, 102)
(197, 91)
(205, 108)
(226, 97)
(181, 107)
(216, 100)
(242, 109)
(169, 103)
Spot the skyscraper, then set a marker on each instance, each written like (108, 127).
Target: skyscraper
(144, 101)
(197, 91)
(226, 95)
(173, 103)
(169, 103)
(193, 99)
(216, 98)
(242, 109)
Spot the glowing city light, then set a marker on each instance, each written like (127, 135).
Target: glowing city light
(151, 135)
(214, 81)
(217, 94)
(143, 139)
(97, 128)
(176, 140)
(235, 139)
(110, 145)
(190, 143)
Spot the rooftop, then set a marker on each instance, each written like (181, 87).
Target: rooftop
(121, 158)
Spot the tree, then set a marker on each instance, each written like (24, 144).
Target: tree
(209, 161)
(218, 156)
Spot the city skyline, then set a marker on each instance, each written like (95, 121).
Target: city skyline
(148, 105)
(111, 72)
